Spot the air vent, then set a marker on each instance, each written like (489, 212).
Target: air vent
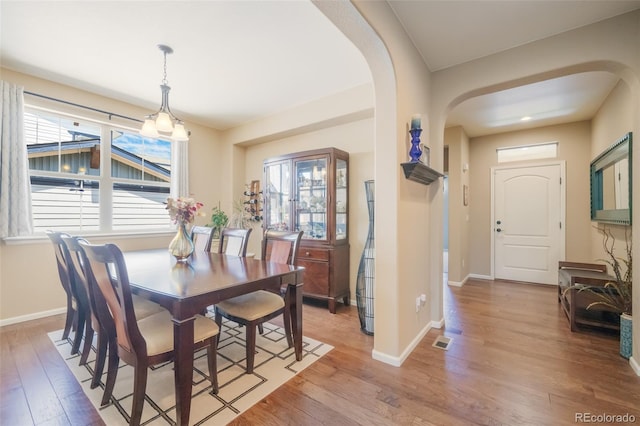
(442, 342)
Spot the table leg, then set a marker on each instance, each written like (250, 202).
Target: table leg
(296, 318)
(183, 367)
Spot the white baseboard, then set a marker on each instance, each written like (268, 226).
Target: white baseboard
(36, 315)
(480, 277)
(397, 361)
(634, 366)
(456, 283)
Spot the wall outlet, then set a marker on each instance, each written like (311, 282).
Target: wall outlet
(423, 299)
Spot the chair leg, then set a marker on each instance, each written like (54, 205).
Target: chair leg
(88, 341)
(77, 339)
(139, 387)
(69, 321)
(251, 346)
(112, 371)
(288, 331)
(213, 362)
(101, 355)
(260, 328)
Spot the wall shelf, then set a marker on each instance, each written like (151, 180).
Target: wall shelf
(419, 172)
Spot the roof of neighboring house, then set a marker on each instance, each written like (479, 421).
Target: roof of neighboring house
(120, 154)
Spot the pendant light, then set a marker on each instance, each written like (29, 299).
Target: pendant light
(163, 121)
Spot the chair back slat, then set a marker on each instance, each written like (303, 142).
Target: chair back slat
(234, 241)
(108, 272)
(201, 237)
(281, 246)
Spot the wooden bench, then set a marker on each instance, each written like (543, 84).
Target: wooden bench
(573, 275)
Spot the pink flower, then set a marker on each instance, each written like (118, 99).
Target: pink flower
(183, 210)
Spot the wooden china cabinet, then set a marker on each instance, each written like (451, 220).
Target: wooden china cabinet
(309, 191)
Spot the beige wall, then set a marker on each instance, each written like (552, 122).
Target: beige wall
(574, 142)
(29, 284)
(613, 120)
(459, 214)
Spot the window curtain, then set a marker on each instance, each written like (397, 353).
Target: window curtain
(15, 186)
(180, 169)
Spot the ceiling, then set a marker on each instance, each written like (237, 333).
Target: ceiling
(238, 61)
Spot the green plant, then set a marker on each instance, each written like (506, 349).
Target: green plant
(615, 295)
(219, 218)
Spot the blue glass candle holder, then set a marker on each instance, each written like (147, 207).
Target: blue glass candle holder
(415, 152)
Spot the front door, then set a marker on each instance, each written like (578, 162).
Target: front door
(528, 228)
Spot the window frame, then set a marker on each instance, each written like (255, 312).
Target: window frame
(105, 180)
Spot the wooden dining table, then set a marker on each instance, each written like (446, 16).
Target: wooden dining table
(188, 288)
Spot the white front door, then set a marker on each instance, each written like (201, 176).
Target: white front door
(528, 228)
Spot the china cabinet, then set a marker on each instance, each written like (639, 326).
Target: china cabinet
(309, 191)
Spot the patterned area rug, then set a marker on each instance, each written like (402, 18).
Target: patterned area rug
(238, 391)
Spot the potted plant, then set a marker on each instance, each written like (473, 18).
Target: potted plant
(219, 220)
(617, 295)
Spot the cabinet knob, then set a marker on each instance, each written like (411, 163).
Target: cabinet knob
(306, 254)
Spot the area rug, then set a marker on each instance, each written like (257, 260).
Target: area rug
(238, 391)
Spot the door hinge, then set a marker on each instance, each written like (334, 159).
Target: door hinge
(560, 225)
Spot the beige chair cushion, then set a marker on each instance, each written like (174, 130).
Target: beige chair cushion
(145, 307)
(157, 331)
(253, 305)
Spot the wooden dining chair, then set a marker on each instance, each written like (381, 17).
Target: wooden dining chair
(78, 309)
(145, 342)
(254, 309)
(234, 241)
(202, 237)
(102, 322)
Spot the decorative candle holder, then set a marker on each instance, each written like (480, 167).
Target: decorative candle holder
(415, 152)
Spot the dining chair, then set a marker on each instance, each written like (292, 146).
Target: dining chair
(101, 319)
(254, 309)
(234, 241)
(78, 309)
(201, 237)
(148, 341)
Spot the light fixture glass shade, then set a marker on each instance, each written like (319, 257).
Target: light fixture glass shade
(149, 128)
(179, 132)
(163, 123)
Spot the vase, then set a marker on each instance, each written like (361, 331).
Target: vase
(626, 323)
(415, 152)
(181, 246)
(366, 269)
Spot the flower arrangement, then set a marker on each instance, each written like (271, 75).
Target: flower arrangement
(183, 210)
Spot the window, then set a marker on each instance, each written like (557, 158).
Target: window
(91, 176)
(528, 152)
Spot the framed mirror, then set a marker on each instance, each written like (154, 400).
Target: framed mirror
(611, 179)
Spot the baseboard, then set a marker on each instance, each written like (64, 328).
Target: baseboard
(37, 315)
(634, 366)
(456, 283)
(437, 324)
(397, 361)
(480, 277)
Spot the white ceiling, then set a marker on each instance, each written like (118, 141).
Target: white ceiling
(237, 61)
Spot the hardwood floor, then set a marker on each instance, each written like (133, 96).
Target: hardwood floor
(513, 361)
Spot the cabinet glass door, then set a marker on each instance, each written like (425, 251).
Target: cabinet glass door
(342, 210)
(277, 197)
(311, 198)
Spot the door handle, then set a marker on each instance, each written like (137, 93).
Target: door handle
(498, 230)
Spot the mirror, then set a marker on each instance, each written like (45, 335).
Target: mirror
(611, 184)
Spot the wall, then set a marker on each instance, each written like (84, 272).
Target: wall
(29, 284)
(613, 120)
(573, 147)
(459, 214)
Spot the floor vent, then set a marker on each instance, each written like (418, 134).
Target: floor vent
(442, 342)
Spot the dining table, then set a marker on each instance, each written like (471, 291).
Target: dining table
(187, 288)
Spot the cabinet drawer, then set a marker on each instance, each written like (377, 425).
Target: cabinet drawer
(314, 254)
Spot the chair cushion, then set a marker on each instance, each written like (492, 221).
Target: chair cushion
(253, 305)
(145, 307)
(157, 331)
